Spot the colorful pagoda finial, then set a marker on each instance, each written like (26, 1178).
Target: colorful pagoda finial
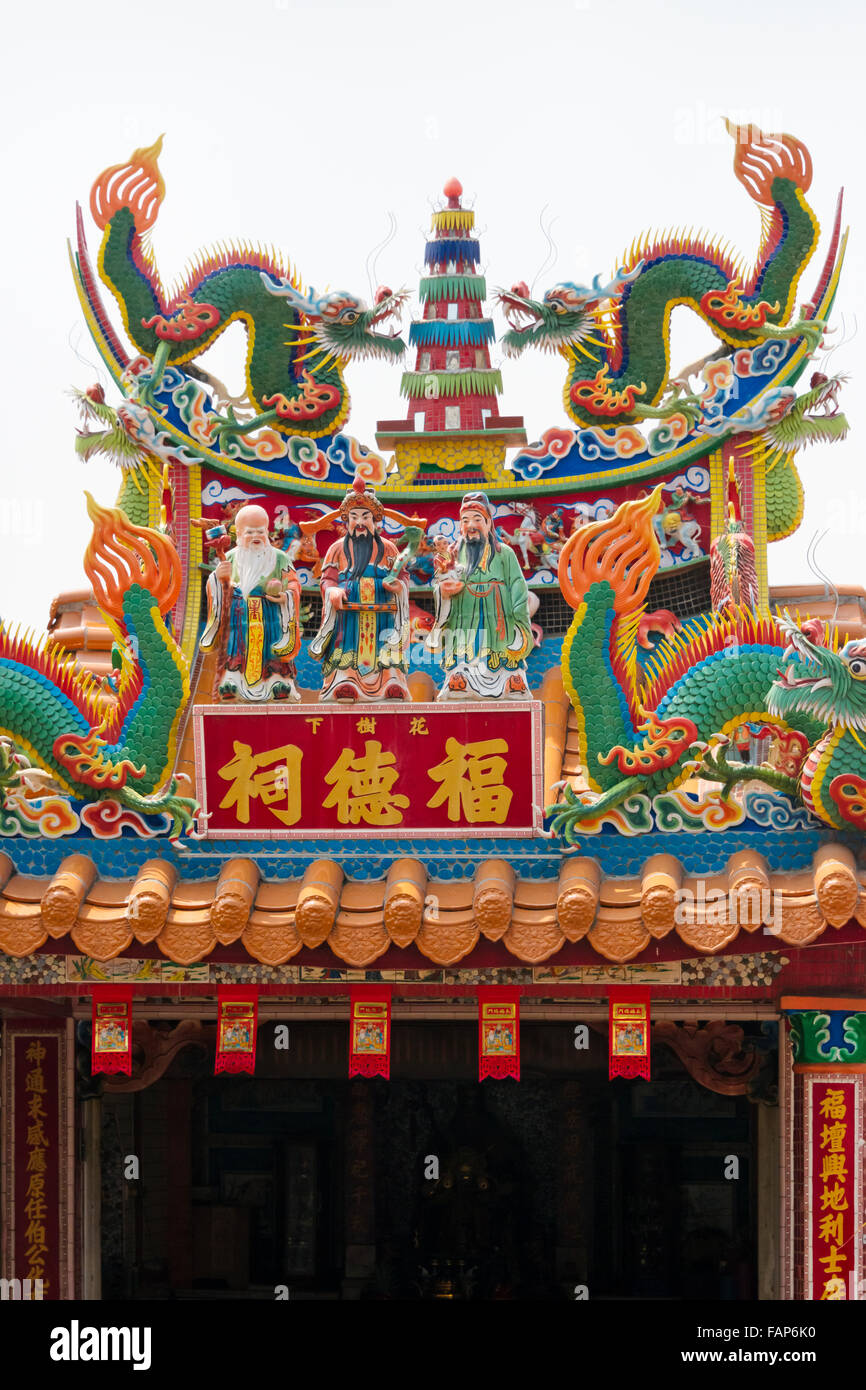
(453, 421)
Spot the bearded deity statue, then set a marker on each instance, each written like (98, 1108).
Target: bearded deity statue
(482, 612)
(253, 616)
(363, 641)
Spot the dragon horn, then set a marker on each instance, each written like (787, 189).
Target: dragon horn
(288, 292)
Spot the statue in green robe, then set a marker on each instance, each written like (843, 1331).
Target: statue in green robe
(482, 618)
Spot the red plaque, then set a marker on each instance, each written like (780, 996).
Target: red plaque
(370, 771)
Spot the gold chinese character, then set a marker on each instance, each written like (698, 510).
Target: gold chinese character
(471, 777)
(833, 1166)
(366, 724)
(36, 1208)
(833, 1106)
(834, 1261)
(834, 1289)
(833, 1137)
(35, 1108)
(35, 1052)
(35, 1233)
(362, 787)
(36, 1163)
(418, 725)
(35, 1080)
(835, 1198)
(315, 720)
(273, 776)
(831, 1228)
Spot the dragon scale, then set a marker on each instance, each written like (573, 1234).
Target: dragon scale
(716, 674)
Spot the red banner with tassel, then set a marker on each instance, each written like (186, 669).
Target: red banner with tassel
(629, 1037)
(111, 1047)
(499, 1032)
(237, 1017)
(370, 1031)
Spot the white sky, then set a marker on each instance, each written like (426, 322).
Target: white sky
(304, 122)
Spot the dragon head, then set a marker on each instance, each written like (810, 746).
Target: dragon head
(566, 317)
(342, 324)
(816, 680)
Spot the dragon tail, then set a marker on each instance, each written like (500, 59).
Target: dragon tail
(124, 204)
(776, 172)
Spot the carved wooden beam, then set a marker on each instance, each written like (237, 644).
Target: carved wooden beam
(160, 1049)
(712, 1054)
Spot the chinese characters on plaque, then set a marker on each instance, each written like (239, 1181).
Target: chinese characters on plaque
(411, 769)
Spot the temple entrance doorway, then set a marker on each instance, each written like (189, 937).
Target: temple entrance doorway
(432, 1186)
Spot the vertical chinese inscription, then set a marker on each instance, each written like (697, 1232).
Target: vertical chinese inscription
(36, 1152)
(36, 1148)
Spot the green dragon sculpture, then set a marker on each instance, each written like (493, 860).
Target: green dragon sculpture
(94, 745)
(616, 336)
(297, 345)
(118, 442)
(650, 731)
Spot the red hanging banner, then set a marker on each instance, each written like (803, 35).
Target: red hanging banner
(237, 1016)
(629, 1023)
(834, 1205)
(499, 1032)
(111, 1048)
(37, 1142)
(370, 1031)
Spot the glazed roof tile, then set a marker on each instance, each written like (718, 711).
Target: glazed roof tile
(360, 921)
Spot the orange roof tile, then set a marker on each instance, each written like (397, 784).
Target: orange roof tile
(360, 921)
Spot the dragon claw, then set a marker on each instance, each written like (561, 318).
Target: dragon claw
(812, 330)
(145, 395)
(227, 424)
(689, 406)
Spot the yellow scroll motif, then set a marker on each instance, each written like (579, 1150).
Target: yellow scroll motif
(255, 641)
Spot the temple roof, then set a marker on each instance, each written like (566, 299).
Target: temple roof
(273, 920)
(75, 625)
(843, 606)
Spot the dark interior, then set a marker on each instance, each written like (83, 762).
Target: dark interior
(428, 1185)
